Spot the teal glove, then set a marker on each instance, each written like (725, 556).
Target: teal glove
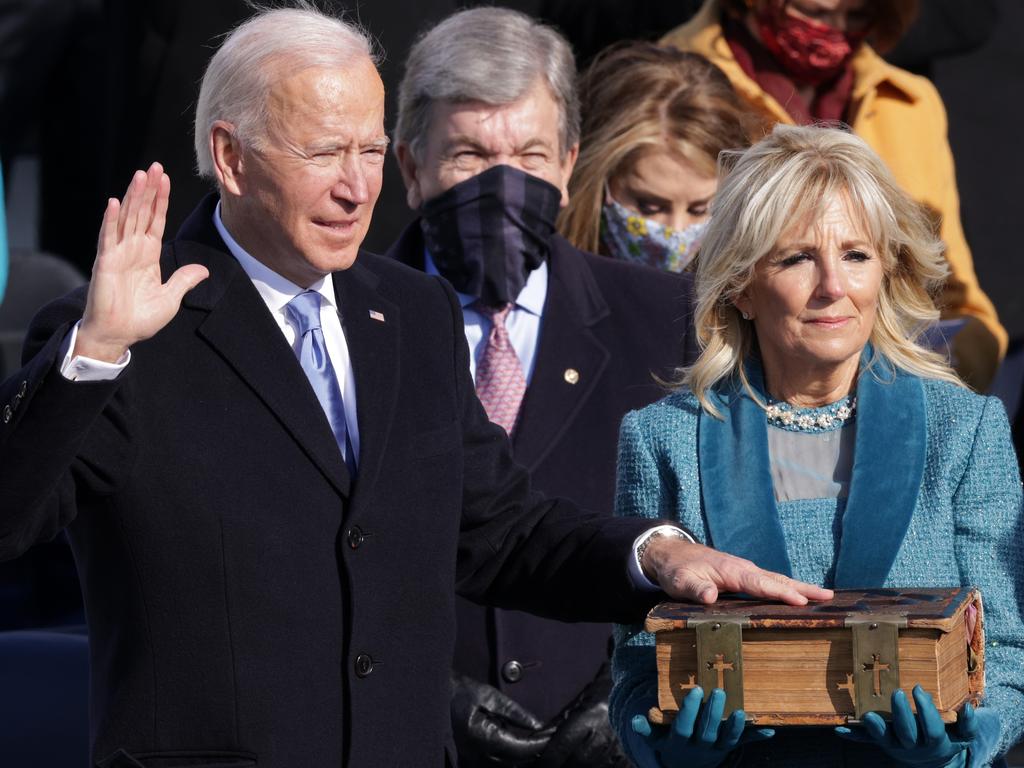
(923, 741)
(696, 739)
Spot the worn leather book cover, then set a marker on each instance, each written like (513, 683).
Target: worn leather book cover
(824, 663)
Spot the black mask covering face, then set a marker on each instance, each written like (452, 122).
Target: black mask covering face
(487, 233)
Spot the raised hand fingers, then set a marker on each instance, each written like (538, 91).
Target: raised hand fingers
(143, 212)
(145, 203)
(108, 228)
(130, 204)
(163, 196)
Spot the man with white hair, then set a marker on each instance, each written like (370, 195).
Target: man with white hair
(487, 136)
(268, 455)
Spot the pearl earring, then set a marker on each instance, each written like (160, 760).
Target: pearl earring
(745, 315)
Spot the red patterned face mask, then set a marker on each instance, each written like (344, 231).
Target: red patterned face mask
(811, 52)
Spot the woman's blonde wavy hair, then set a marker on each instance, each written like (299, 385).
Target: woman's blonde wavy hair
(788, 177)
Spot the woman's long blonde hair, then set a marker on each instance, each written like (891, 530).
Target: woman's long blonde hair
(638, 98)
(787, 177)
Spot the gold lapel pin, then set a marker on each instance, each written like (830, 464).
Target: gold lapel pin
(571, 376)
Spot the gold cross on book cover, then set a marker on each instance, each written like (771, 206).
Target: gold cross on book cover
(825, 663)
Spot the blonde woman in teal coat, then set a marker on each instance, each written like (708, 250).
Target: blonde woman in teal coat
(816, 437)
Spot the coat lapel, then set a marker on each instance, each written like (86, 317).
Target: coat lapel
(888, 466)
(239, 327)
(371, 325)
(736, 481)
(570, 358)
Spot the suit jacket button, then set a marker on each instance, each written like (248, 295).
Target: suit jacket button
(7, 413)
(355, 537)
(364, 665)
(512, 671)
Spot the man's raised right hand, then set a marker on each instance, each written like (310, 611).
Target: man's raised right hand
(127, 301)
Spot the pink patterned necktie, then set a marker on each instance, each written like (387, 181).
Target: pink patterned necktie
(500, 383)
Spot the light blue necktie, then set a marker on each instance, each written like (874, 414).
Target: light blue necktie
(304, 311)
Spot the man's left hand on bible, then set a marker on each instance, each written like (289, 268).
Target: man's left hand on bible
(689, 571)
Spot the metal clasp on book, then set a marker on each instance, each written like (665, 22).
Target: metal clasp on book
(720, 657)
(876, 662)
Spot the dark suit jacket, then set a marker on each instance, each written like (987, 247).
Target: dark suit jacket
(244, 597)
(616, 325)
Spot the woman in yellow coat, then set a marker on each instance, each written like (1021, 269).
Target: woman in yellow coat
(797, 61)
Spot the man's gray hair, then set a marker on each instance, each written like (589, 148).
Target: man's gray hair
(272, 45)
(490, 55)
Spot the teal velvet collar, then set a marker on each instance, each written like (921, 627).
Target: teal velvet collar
(888, 465)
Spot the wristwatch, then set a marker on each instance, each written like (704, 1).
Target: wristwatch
(654, 533)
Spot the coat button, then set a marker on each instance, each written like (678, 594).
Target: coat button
(364, 665)
(7, 413)
(355, 537)
(512, 671)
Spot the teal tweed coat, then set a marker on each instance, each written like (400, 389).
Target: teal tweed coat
(934, 501)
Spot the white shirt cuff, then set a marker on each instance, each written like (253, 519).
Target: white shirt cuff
(636, 573)
(81, 368)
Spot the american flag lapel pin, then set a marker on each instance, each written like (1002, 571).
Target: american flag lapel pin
(375, 315)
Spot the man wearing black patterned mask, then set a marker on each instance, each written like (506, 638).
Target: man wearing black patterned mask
(563, 344)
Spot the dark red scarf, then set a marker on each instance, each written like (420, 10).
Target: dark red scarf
(831, 98)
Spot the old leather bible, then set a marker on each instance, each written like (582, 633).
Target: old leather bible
(824, 663)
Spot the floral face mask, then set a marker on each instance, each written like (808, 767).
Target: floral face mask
(632, 237)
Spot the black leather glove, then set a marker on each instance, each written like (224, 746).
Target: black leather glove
(583, 737)
(490, 729)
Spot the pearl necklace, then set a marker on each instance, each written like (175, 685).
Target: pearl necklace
(823, 419)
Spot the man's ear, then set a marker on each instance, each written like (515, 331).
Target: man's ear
(226, 151)
(410, 175)
(568, 163)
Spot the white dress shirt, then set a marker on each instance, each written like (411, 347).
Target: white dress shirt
(276, 292)
(523, 322)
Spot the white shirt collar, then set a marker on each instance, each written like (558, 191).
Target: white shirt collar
(531, 297)
(275, 290)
